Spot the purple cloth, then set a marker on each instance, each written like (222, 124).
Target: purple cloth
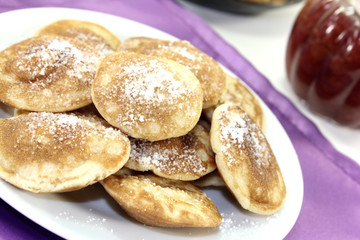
(331, 205)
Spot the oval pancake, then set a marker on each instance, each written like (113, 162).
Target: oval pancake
(47, 73)
(238, 93)
(245, 160)
(94, 34)
(59, 152)
(186, 158)
(162, 202)
(147, 97)
(206, 69)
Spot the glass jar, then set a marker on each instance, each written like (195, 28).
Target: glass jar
(323, 59)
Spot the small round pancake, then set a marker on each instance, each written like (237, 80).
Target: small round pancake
(186, 158)
(206, 69)
(88, 110)
(94, 34)
(162, 202)
(59, 152)
(47, 73)
(245, 160)
(18, 112)
(212, 179)
(147, 97)
(238, 93)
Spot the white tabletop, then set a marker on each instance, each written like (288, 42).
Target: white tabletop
(262, 39)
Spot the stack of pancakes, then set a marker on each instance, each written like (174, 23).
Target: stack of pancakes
(90, 108)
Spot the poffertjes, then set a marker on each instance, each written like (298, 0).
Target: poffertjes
(142, 138)
(205, 68)
(59, 152)
(91, 33)
(212, 179)
(147, 97)
(245, 160)
(186, 158)
(48, 73)
(157, 201)
(238, 93)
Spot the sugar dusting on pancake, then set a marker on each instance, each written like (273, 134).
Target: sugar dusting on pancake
(205, 68)
(244, 134)
(47, 73)
(56, 152)
(147, 97)
(245, 160)
(187, 157)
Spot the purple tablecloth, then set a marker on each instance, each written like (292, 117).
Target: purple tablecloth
(331, 205)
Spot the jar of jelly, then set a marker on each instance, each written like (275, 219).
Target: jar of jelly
(323, 59)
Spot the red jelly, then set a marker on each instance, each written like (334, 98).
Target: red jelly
(323, 58)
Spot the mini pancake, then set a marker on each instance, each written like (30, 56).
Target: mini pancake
(162, 202)
(186, 158)
(91, 33)
(47, 73)
(147, 97)
(18, 112)
(212, 179)
(245, 160)
(206, 69)
(88, 110)
(59, 152)
(238, 93)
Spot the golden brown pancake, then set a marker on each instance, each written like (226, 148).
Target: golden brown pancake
(238, 93)
(58, 152)
(245, 160)
(88, 110)
(186, 158)
(47, 73)
(206, 69)
(157, 201)
(212, 179)
(91, 33)
(147, 97)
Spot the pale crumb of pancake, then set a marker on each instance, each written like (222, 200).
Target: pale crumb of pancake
(169, 159)
(242, 133)
(182, 194)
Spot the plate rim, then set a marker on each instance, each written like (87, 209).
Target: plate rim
(54, 228)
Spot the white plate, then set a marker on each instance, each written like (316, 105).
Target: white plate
(91, 214)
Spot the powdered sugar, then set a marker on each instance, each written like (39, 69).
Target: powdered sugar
(157, 84)
(95, 41)
(184, 53)
(240, 133)
(232, 225)
(181, 50)
(62, 129)
(169, 156)
(54, 57)
(236, 130)
(147, 90)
